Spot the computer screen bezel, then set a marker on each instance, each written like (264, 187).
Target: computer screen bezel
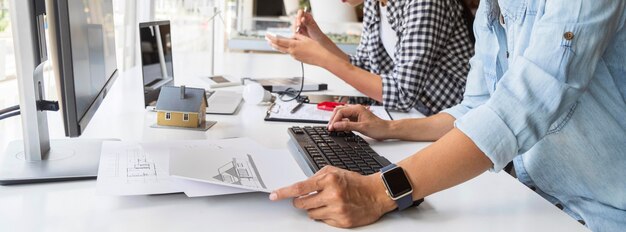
(62, 51)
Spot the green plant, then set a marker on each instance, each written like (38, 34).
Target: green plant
(359, 8)
(4, 20)
(304, 3)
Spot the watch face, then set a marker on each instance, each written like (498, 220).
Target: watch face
(397, 182)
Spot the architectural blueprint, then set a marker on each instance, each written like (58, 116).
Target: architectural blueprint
(131, 168)
(250, 167)
(134, 169)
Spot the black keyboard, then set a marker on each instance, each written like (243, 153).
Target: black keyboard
(346, 150)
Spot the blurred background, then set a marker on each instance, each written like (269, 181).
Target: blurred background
(237, 27)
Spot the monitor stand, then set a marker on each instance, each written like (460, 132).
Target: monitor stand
(37, 158)
(67, 159)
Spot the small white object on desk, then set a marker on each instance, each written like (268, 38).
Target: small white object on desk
(223, 102)
(254, 93)
(221, 81)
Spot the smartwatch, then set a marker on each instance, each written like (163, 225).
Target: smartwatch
(398, 186)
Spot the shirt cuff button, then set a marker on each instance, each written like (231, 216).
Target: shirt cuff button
(568, 35)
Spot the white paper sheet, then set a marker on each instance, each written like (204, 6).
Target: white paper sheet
(282, 111)
(128, 168)
(131, 168)
(249, 167)
(201, 189)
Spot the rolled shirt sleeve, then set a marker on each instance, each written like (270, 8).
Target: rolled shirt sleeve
(360, 58)
(545, 81)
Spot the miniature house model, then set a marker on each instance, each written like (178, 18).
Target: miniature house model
(181, 107)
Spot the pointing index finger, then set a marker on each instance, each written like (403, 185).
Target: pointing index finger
(302, 188)
(298, 189)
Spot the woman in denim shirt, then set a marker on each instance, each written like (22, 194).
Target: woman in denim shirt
(412, 54)
(546, 90)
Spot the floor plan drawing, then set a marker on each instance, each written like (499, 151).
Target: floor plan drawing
(139, 167)
(240, 172)
(128, 168)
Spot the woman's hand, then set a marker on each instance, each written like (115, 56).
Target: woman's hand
(304, 24)
(360, 118)
(301, 48)
(339, 197)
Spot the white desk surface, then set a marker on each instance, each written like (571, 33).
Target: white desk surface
(490, 202)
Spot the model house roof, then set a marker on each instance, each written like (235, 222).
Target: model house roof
(180, 99)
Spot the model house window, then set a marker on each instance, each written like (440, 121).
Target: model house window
(168, 116)
(185, 117)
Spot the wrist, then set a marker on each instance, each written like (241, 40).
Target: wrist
(329, 61)
(332, 62)
(333, 48)
(394, 129)
(384, 203)
(324, 40)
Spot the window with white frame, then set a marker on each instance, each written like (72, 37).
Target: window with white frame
(168, 116)
(185, 117)
(8, 84)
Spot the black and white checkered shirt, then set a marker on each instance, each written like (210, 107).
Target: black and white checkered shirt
(432, 55)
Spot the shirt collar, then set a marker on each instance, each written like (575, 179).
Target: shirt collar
(372, 12)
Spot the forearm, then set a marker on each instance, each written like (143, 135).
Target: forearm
(421, 129)
(450, 161)
(332, 47)
(366, 82)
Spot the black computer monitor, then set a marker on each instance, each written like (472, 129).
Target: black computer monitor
(85, 62)
(82, 45)
(269, 8)
(155, 42)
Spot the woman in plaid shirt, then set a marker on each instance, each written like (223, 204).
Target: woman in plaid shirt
(413, 54)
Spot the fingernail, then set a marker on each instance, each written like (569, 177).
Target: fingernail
(273, 196)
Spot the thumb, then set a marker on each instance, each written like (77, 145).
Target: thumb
(298, 36)
(307, 19)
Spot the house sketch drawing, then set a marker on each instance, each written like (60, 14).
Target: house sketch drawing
(240, 172)
(139, 167)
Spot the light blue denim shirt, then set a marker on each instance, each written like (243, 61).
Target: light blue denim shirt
(547, 87)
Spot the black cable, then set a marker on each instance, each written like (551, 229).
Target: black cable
(292, 92)
(10, 109)
(8, 115)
